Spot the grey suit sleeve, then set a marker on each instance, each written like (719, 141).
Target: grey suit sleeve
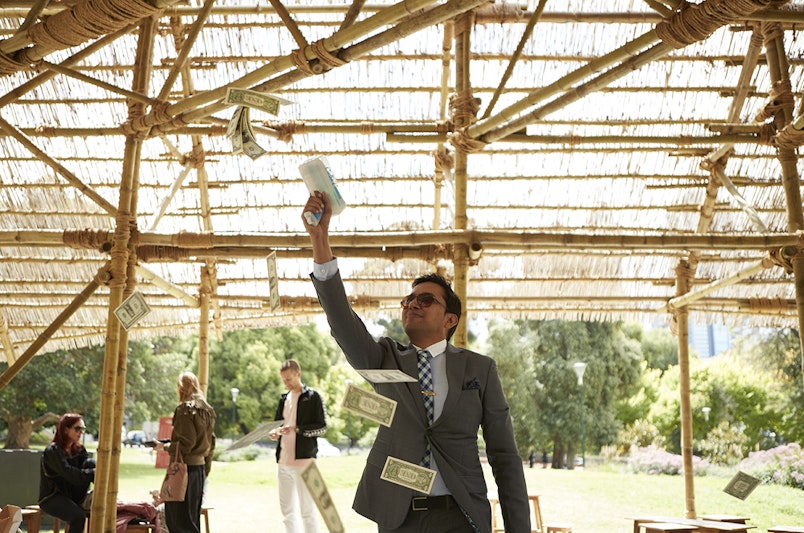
(348, 330)
(503, 456)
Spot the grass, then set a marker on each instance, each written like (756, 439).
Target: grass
(596, 500)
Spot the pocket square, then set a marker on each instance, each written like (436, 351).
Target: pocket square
(474, 384)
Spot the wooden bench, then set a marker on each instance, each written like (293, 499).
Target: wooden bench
(665, 527)
(737, 519)
(786, 529)
(703, 526)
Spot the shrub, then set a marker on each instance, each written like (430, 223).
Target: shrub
(783, 465)
(249, 453)
(652, 460)
(640, 434)
(724, 445)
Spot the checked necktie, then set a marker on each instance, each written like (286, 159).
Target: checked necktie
(426, 382)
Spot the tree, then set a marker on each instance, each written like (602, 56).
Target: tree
(660, 348)
(250, 361)
(613, 360)
(49, 386)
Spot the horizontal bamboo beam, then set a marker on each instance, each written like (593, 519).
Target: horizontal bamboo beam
(489, 239)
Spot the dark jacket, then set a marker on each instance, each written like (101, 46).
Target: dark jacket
(310, 423)
(66, 475)
(193, 433)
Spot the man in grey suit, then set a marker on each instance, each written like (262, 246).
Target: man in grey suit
(466, 395)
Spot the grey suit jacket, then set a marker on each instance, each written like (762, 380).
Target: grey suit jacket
(475, 400)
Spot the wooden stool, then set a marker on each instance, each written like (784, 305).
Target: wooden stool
(558, 527)
(665, 527)
(536, 525)
(33, 518)
(205, 515)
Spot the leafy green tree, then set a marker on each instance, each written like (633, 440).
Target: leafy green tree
(613, 360)
(660, 348)
(341, 425)
(153, 366)
(249, 360)
(777, 353)
(49, 386)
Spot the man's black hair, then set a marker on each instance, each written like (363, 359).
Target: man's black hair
(453, 303)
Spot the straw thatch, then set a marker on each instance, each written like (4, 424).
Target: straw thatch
(624, 137)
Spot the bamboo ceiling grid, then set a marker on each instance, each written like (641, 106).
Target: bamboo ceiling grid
(586, 193)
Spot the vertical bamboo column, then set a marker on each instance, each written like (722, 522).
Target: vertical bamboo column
(779, 70)
(442, 157)
(463, 89)
(203, 329)
(104, 503)
(685, 271)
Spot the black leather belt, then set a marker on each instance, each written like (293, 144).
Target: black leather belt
(428, 503)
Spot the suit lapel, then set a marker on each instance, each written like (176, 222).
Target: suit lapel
(456, 367)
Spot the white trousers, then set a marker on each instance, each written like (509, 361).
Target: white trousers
(297, 506)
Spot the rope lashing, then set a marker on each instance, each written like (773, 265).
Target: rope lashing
(286, 130)
(695, 22)
(781, 96)
(89, 239)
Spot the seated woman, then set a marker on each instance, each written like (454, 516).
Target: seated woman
(67, 470)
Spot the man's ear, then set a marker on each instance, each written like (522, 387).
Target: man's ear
(450, 320)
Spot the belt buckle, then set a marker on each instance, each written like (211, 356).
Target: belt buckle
(413, 504)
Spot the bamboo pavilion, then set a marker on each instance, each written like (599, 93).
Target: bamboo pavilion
(578, 159)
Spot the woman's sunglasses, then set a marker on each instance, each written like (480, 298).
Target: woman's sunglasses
(423, 299)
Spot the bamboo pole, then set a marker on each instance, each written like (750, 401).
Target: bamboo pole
(595, 66)
(442, 167)
(201, 243)
(58, 167)
(283, 63)
(184, 52)
(623, 69)
(204, 295)
(689, 297)
(290, 24)
(352, 13)
(685, 273)
(534, 18)
(8, 346)
(779, 70)
(47, 334)
(116, 346)
(133, 95)
(170, 288)
(574, 140)
(36, 10)
(37, 52)
(461, 119)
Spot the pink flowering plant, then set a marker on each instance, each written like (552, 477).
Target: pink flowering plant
(783, 465)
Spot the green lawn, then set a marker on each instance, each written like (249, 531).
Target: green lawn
(243, 495)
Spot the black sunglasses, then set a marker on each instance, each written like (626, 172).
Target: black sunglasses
(424, 299)
(80, 428)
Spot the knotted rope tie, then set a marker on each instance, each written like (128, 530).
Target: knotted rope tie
(89, 239)
(461, 140)
(443, 160)
(780, 97)
(781, 258)
(695, 22)
(9, 65)
(286, 130)
(195, 158)
(789, 137)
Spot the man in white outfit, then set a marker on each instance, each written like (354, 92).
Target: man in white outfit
(302, 410)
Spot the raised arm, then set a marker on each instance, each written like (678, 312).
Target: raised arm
(319, 234)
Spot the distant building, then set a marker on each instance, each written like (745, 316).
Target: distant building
(710, 340)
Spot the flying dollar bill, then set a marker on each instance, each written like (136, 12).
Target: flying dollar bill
(408, 475)
(256, 100)
(261, 432)
(369, 405)
(318, 490)
(132, 310)
(385, 375)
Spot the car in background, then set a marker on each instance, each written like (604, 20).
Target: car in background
(136, 437)
(325, 449)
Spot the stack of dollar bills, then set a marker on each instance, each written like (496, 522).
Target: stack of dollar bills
(240, 130)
